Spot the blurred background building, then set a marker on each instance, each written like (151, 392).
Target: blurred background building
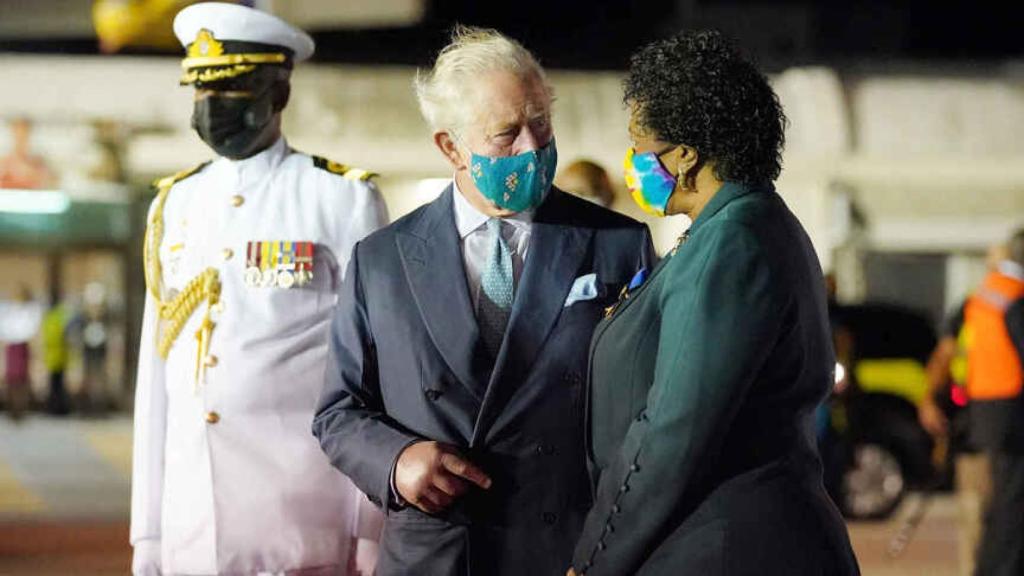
(903, 156)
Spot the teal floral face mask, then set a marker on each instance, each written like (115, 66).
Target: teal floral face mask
(515, 183)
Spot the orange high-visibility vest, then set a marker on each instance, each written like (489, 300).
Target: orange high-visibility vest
(993, 365)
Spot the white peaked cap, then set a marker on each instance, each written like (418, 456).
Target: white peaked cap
(233, 22)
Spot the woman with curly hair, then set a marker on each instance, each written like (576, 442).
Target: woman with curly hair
(705, 375)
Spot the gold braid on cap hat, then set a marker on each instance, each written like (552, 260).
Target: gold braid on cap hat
(174, 312)
(207, 75)
(207, 53)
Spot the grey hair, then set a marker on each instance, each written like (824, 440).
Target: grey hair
(471, 53)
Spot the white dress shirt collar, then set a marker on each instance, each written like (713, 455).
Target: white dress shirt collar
(468, 219)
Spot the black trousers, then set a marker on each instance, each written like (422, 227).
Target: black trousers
(1002, 544)
(58, 402)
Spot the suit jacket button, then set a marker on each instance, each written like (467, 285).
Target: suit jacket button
(601, 545)
(616, 509)
(634, 468)
(433, 395)
(550, 518)
(212, 417)
(237, 200)
(545, 450)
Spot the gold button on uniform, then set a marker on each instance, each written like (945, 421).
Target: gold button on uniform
(210, 360)
(237, 200)
(212, 417)
(227, 253)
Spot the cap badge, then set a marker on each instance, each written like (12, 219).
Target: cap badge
(205, 45)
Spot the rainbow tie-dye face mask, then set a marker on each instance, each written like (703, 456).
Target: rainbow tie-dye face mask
(650, 184)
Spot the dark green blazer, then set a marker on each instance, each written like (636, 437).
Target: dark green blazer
(703, 383)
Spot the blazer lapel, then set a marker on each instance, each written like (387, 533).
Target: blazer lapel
(432, 259)
(557, 251)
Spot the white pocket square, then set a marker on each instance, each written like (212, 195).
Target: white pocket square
(583, 288)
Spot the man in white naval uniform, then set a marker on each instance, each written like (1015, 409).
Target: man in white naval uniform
(244, 257)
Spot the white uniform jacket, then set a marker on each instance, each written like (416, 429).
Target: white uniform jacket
(227, 476)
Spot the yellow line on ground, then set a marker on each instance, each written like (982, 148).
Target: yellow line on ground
(114, 446)
(15, 496)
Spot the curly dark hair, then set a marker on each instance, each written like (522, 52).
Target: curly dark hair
(697, 89)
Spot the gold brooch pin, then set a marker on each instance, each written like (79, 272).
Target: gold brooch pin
(623, 296)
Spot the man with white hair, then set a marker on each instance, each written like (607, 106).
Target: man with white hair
(455, 386)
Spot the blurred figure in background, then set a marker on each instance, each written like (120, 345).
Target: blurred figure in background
(21, 169)
(244, 258)
(20, 320)
(992, 335)
(947, 374)
(111, 143)
(55, 354)
(589, 181)
(94, 336)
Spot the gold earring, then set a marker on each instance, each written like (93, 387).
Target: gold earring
(683, 183)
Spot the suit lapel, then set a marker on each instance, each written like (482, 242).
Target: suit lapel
(432, 259)
(556, 253)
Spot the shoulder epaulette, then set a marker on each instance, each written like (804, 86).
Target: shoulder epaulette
(342, 170)
(168, 181)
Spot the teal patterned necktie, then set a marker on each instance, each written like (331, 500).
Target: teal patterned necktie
(496, 290)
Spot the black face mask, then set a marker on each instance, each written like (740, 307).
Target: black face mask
(234, 127)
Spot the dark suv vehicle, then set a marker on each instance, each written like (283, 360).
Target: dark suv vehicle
(872, 445)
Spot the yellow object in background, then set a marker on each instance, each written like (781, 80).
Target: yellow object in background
(903, 377)
(121, 23)
(958, 367)
(55, 345)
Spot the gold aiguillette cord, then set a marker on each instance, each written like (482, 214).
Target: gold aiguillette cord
(212, 291)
